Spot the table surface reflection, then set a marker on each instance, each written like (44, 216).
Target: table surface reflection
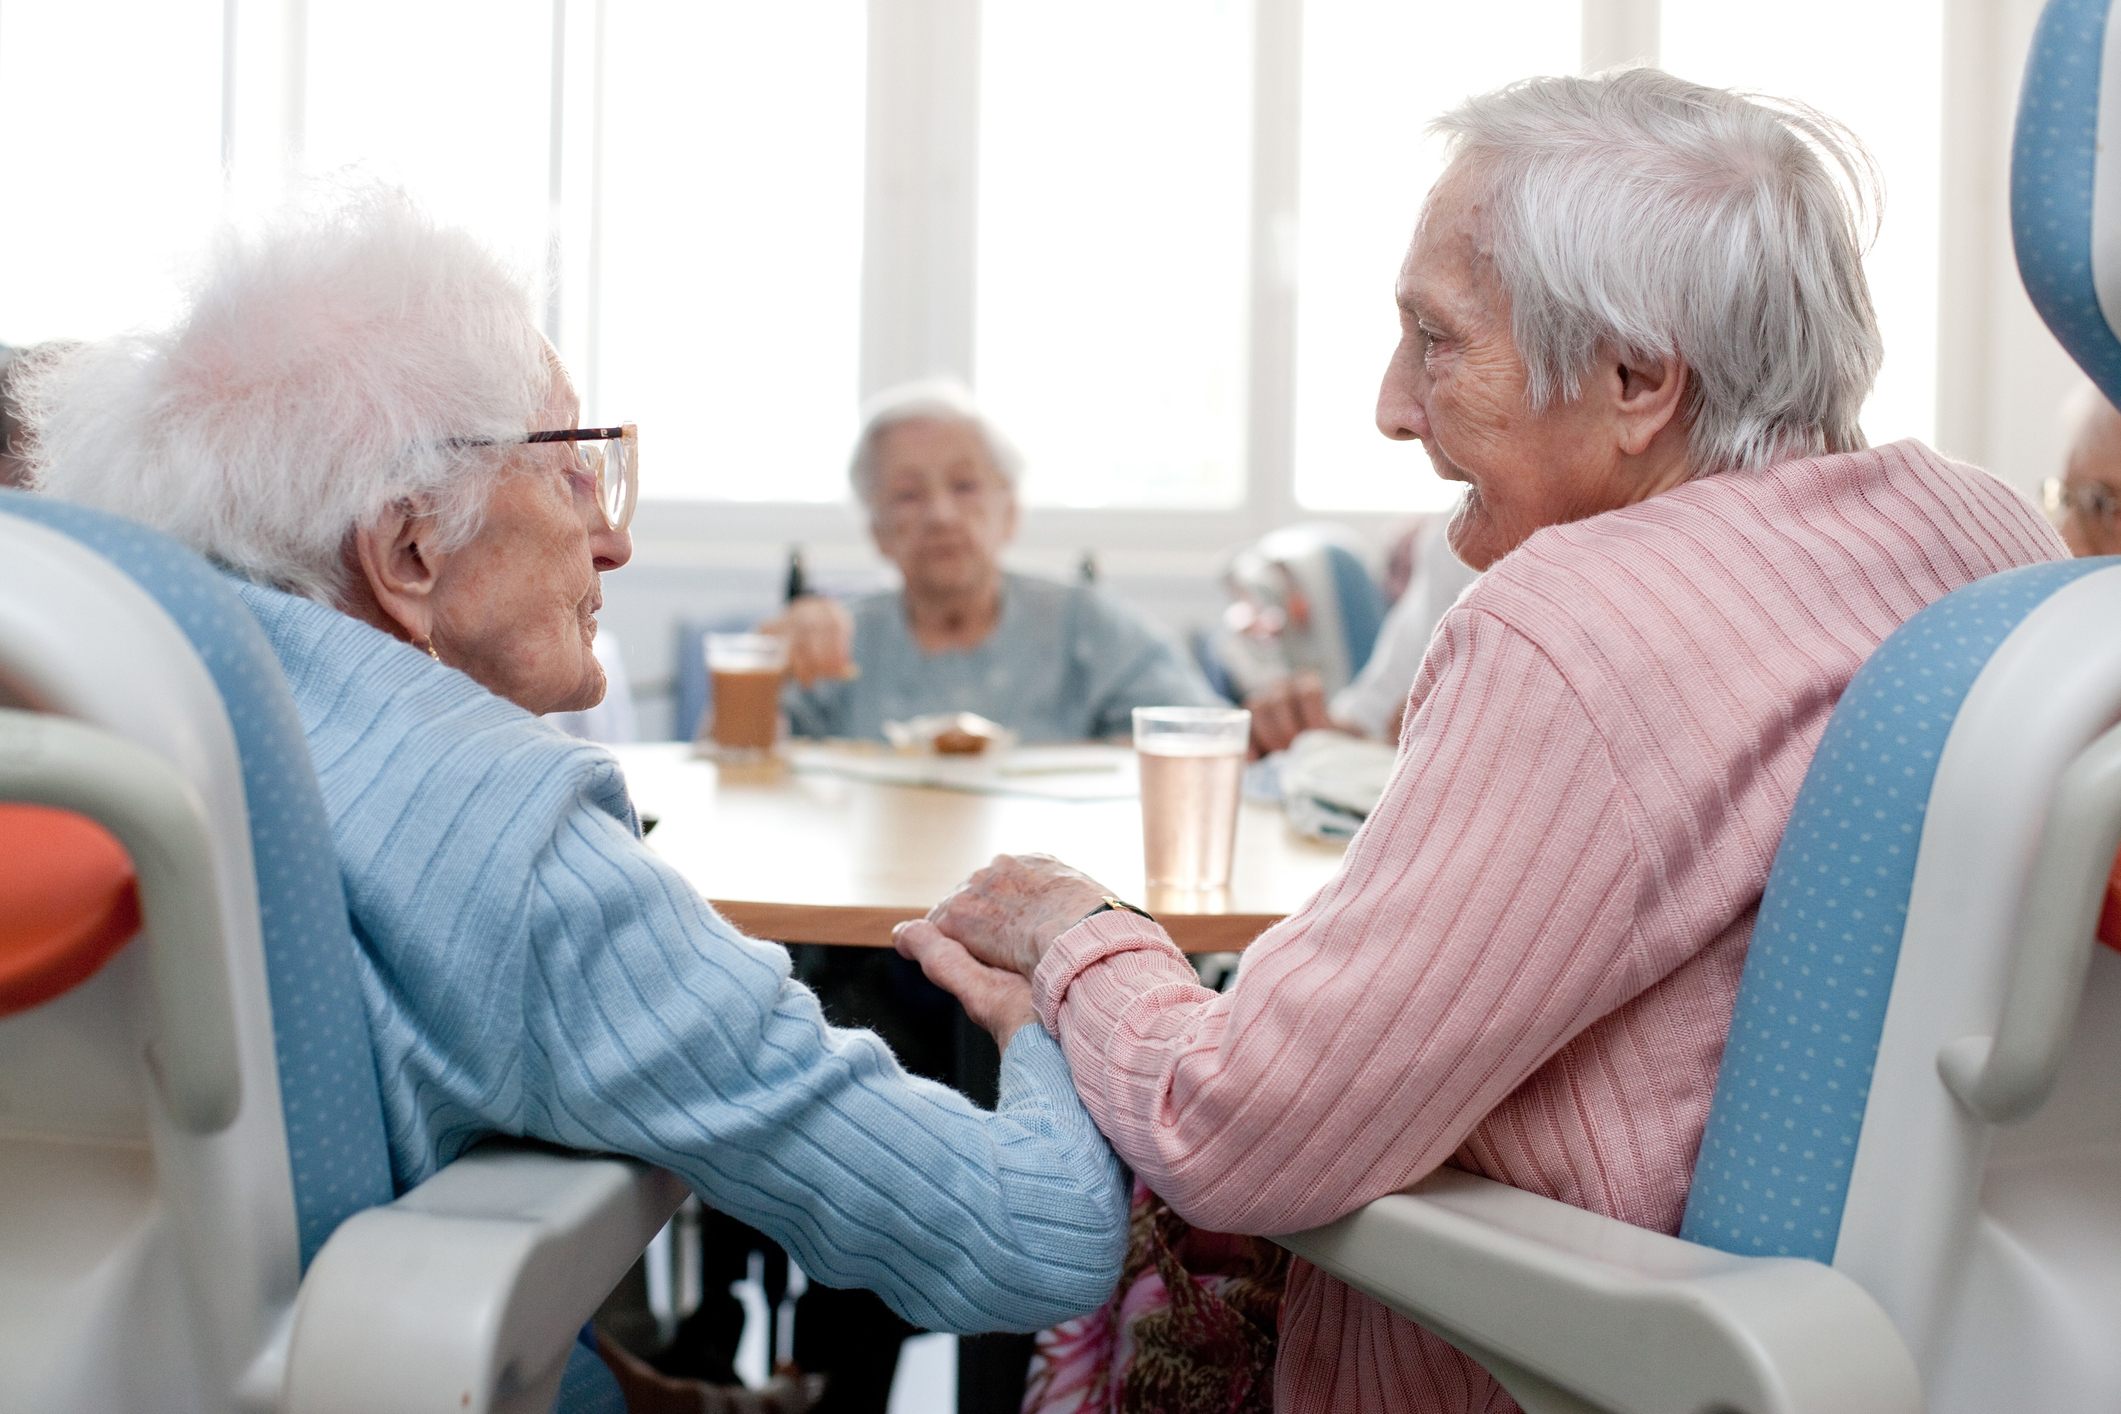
(808, 857)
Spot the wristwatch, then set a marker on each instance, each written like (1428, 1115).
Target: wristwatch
(1116, 905)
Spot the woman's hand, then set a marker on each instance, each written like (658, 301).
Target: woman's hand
(997, 1000)
(820, 634)
(1009, 913)
(1282, 709)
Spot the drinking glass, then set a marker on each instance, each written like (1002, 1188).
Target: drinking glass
(1192, 765)
(746, 669)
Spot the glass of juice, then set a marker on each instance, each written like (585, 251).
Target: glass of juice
(1192, 765)
(746, 669)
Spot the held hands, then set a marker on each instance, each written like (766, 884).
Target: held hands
(983, 941)
(998, 1001)
(1282, 709)
(1009, 913)
(820, 634)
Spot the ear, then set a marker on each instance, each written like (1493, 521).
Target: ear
(1647, 397)
(402, 573)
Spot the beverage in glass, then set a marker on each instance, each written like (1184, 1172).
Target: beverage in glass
(1192, 766)
(746, 669)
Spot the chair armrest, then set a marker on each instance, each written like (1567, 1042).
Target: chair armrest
(466, 1293)
(1574, 1312)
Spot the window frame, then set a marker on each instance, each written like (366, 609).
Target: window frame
(920, 231)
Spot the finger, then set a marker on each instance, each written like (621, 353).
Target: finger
(939, 954)
(947, 964)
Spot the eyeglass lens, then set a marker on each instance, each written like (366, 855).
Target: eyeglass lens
(618, 478)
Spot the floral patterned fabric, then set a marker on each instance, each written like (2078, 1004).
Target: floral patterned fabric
(1191, 1327)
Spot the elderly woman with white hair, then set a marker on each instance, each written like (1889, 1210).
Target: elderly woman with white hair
(1053, 662)
(358, 418)
(1634, 324)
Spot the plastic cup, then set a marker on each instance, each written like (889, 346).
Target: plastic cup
(1192, 769)
(746, 669)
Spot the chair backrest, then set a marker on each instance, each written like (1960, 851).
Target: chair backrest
(1891, 918)
(1313, 607)
(2066, 183)
(109, 623)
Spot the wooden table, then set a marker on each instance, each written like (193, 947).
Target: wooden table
(801, 856)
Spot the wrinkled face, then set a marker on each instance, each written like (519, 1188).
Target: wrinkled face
(516, 608)
(940, 509)
(1456, 383)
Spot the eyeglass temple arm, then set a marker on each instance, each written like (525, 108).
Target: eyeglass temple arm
(578, 434)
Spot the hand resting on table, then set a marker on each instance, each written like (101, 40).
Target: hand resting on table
(985, 939)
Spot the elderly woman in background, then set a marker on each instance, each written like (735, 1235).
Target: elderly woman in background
(2085, 501)
(1634, 322)
(1053, 662)
(358, 418)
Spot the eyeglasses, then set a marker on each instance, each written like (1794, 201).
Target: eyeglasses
(616, 466)
(2095, 504)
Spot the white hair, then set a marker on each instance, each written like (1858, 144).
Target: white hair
(942, 399)
(1638, 212)
(333, 365)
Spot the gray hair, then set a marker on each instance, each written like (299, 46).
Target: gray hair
(324, 370)
(1640, 212)
(943, 399)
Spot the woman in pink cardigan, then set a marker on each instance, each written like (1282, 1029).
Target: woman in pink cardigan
(1634, 322)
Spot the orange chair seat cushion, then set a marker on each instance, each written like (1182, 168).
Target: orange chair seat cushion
(67, 903)
(2110, 915)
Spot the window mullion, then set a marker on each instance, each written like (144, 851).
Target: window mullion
(1277, 110)
(921, 211)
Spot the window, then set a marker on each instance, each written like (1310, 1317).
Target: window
(1375, 72)
(1114, 220)
(730, 243)
(1779, 53)
(462, 122)
(1183, 226)
(113, 162)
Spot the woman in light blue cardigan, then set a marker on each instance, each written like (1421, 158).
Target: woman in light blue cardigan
(341, 419)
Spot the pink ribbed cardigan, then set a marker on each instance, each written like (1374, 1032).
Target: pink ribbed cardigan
(1527, 964)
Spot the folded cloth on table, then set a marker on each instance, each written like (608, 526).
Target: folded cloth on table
(1330, 782)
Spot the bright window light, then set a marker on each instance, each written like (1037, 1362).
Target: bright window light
(113, 162)
(1779, 52)
(463, 122)
(1114, 211)
(1375, 72)
(730, 275)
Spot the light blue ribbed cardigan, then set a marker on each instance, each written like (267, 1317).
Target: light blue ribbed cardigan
(531, 969)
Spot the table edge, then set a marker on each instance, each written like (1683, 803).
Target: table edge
(849, 925)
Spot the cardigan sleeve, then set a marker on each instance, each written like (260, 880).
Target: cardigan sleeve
(653, 1028)
(1483, 917)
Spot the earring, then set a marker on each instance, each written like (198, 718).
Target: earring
(429, 645)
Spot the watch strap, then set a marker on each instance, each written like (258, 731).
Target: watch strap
(1114, 904)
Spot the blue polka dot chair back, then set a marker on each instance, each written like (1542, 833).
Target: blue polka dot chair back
(2058, 218)
(329, 1093)
(1775, 1164)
